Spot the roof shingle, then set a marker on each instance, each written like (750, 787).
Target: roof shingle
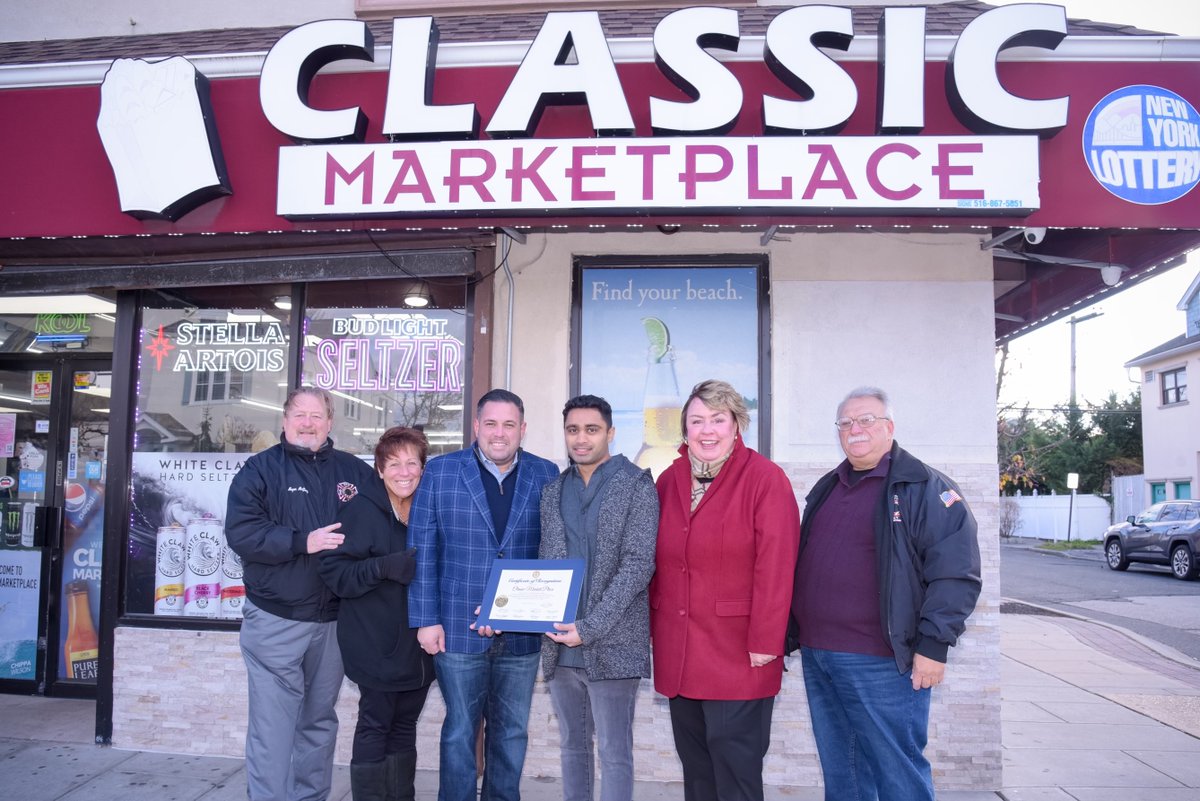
(944, 19)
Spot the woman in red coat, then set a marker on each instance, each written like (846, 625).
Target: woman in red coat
(728, 532)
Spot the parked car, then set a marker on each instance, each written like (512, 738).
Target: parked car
(1165, 534)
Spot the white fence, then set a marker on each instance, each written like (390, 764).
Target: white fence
(1129, 496)
(1045, 516)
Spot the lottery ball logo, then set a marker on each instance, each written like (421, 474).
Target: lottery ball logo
(1142, 143)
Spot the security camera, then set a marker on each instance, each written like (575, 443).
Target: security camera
(1034, 236)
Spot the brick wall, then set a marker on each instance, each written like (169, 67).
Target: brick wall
(185, 691)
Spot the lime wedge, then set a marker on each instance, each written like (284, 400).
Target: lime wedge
(659, 337)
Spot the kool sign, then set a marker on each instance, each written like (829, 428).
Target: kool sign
(688, 163)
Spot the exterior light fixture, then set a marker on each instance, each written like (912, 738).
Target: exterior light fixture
(1111, 274)
(418, 297)
(283, 302)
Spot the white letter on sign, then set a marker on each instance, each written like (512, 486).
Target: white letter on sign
(679, 42)
(829, 94)
(409, 113)
(289, 68)
(973, 86)
(547, 76)
(902, 65)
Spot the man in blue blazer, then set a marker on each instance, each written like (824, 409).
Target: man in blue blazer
(472, 507)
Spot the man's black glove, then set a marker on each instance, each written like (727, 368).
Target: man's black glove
(398, 567)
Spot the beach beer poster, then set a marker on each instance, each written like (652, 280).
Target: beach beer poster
(648, 335)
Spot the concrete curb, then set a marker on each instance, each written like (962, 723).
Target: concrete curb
(1092, 554)
(1164, 651)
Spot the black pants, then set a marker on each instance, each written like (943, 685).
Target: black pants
(387, 723)
(722, 745)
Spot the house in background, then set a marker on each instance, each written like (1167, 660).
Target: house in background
(1170, 423)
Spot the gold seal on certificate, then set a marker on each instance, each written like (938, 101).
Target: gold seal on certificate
(531, 595)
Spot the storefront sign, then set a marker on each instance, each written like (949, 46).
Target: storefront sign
(682, 41)
(913, 174)
(1142, 143)
(994, 174)
(61, 330)
(219, 346)
(174, 165)
(392, 353)
(805, 71)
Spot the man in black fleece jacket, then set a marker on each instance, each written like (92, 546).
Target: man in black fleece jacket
(281, 511)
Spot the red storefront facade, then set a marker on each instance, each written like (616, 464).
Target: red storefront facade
(986, 189)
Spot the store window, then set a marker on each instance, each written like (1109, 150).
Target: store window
(389, 364)
(57, 332)
(649, 331)
(214, 386)
(211, 381)
(1174, 386)
(212, 378)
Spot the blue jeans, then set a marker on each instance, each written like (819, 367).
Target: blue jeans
(870, 727)
(605, 708)
(498, 687)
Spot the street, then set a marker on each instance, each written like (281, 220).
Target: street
(1145, 599)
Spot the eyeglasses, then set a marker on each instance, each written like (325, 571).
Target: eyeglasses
(864, 421)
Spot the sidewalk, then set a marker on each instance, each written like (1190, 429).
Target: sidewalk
(1088, 714)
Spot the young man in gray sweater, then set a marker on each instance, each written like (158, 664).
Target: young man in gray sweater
(603, 510)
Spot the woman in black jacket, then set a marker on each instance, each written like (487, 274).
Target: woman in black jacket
(370, 572)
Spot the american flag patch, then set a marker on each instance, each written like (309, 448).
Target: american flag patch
(346, 491)
(949, 497)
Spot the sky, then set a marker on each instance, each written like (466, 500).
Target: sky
(1135, 320)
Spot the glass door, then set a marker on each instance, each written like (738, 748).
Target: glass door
(54, 418)
(83, 468)
(26, 477)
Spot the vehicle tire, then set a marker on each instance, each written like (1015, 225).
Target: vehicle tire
(1183, 562)
(1114, 555)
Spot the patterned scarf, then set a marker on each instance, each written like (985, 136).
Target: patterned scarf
(703, 474)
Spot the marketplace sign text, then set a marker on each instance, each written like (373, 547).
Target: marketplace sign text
(996, 174)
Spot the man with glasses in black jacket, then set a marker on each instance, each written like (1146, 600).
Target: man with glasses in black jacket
(887, 574)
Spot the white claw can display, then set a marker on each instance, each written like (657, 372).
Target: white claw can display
(202, 569)
(233, 590)
(169, 556)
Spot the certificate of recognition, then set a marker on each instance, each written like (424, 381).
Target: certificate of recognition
(531, 595)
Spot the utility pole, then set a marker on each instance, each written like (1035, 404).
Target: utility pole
(1074, 321)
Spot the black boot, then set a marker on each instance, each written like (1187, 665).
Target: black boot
(369, 781)
(402, 776)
